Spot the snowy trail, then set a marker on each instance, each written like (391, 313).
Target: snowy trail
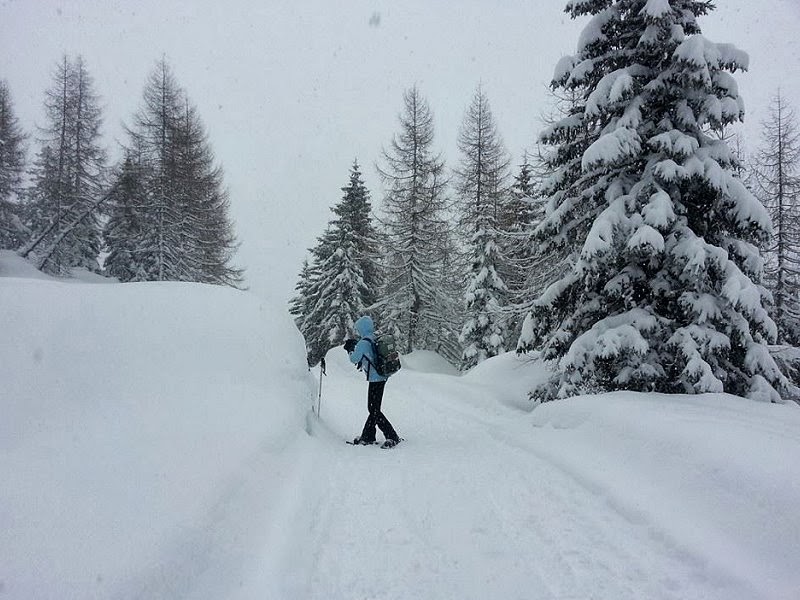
(468, 507)
(185, 471)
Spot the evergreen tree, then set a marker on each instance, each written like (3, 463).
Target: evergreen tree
(124, 231)
(69, 174)
(186, 233)
(481, 184)
(12, 168)
(341, 284)
(775, 177)
(416, 230)
(663, 288)
(521, 213)
(303, 302)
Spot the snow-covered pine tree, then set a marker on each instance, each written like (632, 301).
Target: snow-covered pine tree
(519, 216)
(663, 291)
(124, 232)
(481, 183)
(302, 302)
(414, 299)
(341, 283)
(187, 233)
(12, 168)
(775, 178)
(69, 175)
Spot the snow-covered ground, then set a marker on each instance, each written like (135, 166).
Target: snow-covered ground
(156, 442)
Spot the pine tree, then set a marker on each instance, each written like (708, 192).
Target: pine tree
(341, 283)
(69, 174)
(416, 230)
(12, 168)
(187, 234)
(481, 184)
(124, 231)
(302, 302)
(520, 268)
(775, 177)
(663, 288)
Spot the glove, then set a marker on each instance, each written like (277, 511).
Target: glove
(350, 345)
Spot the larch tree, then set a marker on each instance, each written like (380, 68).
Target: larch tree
(775, 178)
(153, 143)
(415, 231)
(481, 184)
(12, 168)
(69, 176)
(186, 232)
(124, 231)
(342, 281)
(663, 287)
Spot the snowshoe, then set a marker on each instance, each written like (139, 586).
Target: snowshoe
(359, 442)
(391, 443)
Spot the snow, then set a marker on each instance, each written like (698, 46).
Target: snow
(705, 54)
(612, 147)
(156, 442)
(657, 9)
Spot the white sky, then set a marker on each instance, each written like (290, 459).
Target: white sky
(292, 91)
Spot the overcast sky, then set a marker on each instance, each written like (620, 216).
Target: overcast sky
(292, 91)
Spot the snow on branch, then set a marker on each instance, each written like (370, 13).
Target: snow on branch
(612, 88)
(656, 9)
(593, 31)
(611, 148)
(707, 55)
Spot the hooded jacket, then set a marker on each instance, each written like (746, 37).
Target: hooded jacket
(363, 354)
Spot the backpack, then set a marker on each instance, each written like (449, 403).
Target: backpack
(387, 359)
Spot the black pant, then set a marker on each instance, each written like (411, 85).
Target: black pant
(376, 417)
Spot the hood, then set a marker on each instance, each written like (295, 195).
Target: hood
(365, 327)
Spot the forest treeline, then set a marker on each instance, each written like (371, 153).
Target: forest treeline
(159, 214)
(635, 247)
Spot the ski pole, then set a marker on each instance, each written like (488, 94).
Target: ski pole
(321, 373)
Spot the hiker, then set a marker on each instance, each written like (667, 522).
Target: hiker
(362, 354)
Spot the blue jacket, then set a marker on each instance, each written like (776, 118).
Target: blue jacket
(363, 354)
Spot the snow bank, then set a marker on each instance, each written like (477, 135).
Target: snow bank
(426, 361)
(12, 265)
(129, 413)
(716, 475)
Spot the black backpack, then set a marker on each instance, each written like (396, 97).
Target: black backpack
(387, 359)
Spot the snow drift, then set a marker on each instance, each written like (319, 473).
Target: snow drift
(128, 412)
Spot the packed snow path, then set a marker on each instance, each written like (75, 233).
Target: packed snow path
(470, 506)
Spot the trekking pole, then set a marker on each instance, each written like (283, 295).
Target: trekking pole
(321, 373)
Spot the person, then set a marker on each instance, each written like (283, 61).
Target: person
(362, 354)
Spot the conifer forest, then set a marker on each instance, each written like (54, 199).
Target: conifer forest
(635, 244)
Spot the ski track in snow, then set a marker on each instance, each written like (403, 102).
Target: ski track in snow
(470, 508)
(471, 505)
